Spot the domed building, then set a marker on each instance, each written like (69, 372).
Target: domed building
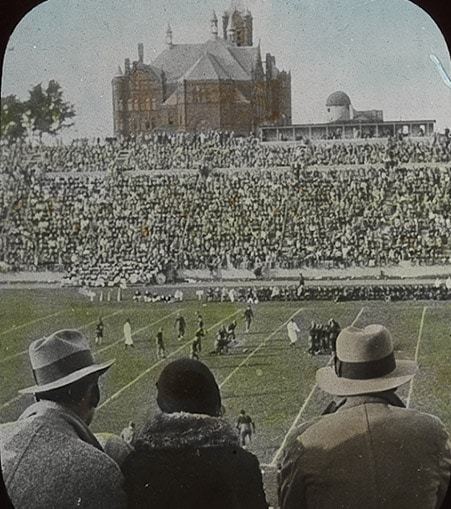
(339, 107)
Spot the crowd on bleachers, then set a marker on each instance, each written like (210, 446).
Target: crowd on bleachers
(111, 227)
(216, 150)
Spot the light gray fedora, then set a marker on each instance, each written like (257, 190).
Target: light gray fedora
(61, 359)
(365, 363)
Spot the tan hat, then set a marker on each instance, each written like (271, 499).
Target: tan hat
(61, 359)
(365, 363)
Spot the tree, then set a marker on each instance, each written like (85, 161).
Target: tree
(50, 113)
(12, 127)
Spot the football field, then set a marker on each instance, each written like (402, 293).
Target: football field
(274, 383)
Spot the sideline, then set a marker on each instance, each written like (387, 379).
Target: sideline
(161, 361)
(301, 411)
(417, 351)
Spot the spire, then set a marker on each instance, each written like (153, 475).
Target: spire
(214, 25)
(169, 36)
(231, 31)
(119, 71)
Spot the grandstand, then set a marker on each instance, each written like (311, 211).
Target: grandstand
(105, 214)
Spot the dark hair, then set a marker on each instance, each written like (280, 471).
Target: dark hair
(74, 392)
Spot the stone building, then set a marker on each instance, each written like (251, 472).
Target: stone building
(221, 84)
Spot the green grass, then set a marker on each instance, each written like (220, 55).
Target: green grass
(263, 376)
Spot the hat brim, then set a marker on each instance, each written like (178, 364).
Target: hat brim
(66, 380)
(329, 382)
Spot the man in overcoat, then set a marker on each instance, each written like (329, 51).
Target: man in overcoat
(369, 450)
(49, 456)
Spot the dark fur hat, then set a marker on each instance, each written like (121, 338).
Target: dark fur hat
(187, 385)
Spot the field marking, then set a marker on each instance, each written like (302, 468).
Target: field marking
(150, 368)
(81, 327)
(256, 349)
(16, 327)
(19, 396)
(417, 351)
(136, 331)
(302, 409)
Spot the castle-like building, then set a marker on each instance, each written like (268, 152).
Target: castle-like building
(220, 84)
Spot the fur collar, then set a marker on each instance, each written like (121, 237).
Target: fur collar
(183, 430)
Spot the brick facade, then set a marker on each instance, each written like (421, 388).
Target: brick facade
(220, 84)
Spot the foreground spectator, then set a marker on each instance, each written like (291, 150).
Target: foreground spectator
(50, 458)
(188, 456)
(370, 451)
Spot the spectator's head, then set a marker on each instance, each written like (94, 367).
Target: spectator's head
(364, 364)
(187, 385)
(65, 372)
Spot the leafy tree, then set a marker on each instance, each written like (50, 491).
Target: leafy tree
(12, 127)
(50, 113)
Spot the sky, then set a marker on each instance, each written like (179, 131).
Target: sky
(377, 51)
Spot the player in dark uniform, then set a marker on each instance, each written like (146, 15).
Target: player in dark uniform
(200, 322)
(99, 331)
(231, 330)
(180, 325)
(161, 351)
(248, 317)
(196, 345)
(333, 329)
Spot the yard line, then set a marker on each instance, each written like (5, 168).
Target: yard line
(13, 400)
(257, 349)
(417, 351)
(302, 409)
(136, 331)
(14, 328)
(82, 327)
(16, 398)
(357, 317)
(149, 369)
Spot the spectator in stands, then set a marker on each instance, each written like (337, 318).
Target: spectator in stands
(49, 456)
(188, 456)
(370, 450)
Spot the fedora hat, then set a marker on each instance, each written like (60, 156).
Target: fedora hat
(61, 359)
(365, 363)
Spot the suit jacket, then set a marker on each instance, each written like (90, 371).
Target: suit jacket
(367, 454)
(50, 458)
(191, 461)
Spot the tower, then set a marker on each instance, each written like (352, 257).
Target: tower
(237, 25)
(214, 25)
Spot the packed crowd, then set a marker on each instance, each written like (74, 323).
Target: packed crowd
(112, 228)
(215, 150)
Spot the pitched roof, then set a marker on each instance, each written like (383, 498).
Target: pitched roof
(214, 59)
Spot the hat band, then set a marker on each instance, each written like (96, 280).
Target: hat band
(63, 367)
(365, 370)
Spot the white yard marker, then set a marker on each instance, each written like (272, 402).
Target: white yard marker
(417, 351)
(151, 368)
(302, 409)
